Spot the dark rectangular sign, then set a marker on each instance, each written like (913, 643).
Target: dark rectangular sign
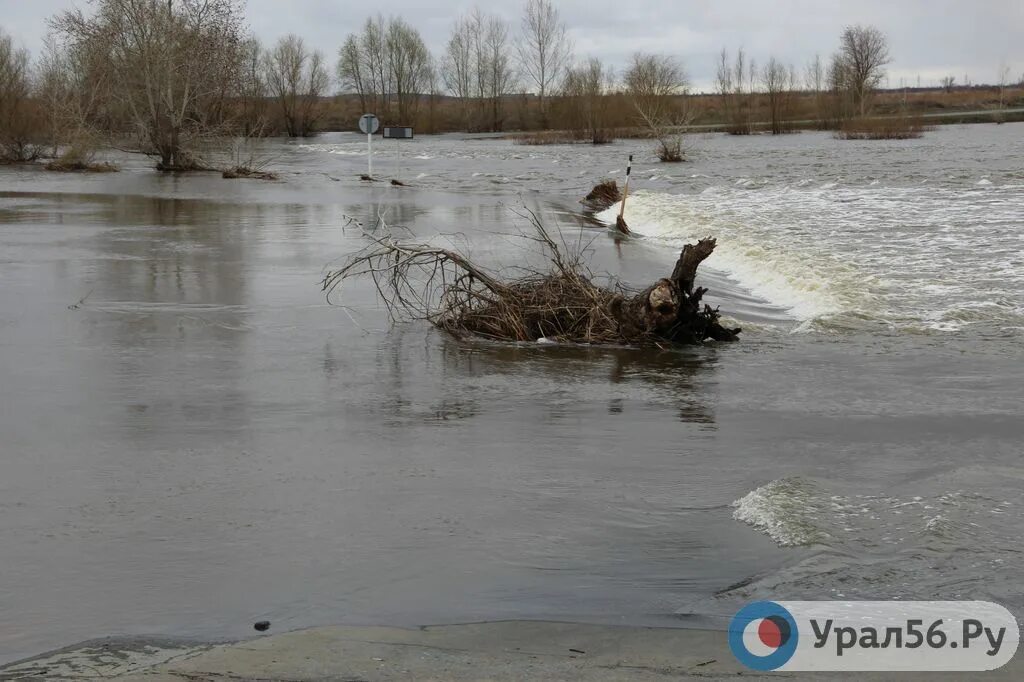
(398, 132)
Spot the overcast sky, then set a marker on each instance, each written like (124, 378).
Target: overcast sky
(929, 38)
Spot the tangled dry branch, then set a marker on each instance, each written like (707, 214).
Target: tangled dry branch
(443, 287)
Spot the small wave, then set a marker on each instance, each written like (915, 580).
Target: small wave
(783, 510)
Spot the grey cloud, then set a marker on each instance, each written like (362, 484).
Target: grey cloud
(928, 38)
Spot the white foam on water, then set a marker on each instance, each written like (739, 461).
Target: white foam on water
(783, 510)
(907, 257)
(782, 276)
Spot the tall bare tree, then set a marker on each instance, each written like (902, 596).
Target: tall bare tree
(863, 52)
(410, 64)
(656, 84)
(1003, 78)
(457, 66)
(775, 79)
(652, 81)
(544, 49)
(298, 79)
(815, 83)
(252, 88)
(734, 80)
(388, 66)
(18, 128)
(363, 67)
(353, 72)
(842, 105)
(587, 88)
(477, 68)
(499, 75)
(170, 66)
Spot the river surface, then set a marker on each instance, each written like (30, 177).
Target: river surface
(193, 439)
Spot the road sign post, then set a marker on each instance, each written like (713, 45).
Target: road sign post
(369, 124)
(398, 133)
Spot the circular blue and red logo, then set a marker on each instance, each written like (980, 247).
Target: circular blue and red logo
(763, 635)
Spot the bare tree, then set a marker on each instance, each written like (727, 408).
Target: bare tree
(375, 54)
(1003, 78)
(298, 79)
(732, 79)
(544, 49)
(252, 88)
(588, 87)
(776, 83)
(387, 64)
(842, 103)
(169, 66)
(53, 90)
(948, 82)
(864, 52)
(363, 67)
(77, 104)
(457, 67)
(410, 65)
(18, 128)
(653, 81)
(477, 68)
(496, 65)
(353, 74)
(814, 81)
(814, 75)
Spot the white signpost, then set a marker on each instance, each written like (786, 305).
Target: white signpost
(369, 124)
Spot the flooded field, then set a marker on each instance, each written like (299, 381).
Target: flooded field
(192, 439)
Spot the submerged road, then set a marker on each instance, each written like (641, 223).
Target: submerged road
(508, 650)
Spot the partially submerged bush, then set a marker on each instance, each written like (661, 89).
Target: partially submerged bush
(79, 160)
(62, 166)
(446, 289)
(547, 137)
(887, 128)
(246, 172)
(670, 150)
(604, 194)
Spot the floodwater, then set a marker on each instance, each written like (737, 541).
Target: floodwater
(192, 439)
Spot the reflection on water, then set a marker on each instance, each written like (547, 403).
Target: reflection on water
(678, 379)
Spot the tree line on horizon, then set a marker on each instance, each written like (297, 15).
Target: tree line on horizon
(172, 75)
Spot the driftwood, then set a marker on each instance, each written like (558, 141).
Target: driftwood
(445, 288)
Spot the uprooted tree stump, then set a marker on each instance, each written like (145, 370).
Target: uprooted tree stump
(454, 294)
